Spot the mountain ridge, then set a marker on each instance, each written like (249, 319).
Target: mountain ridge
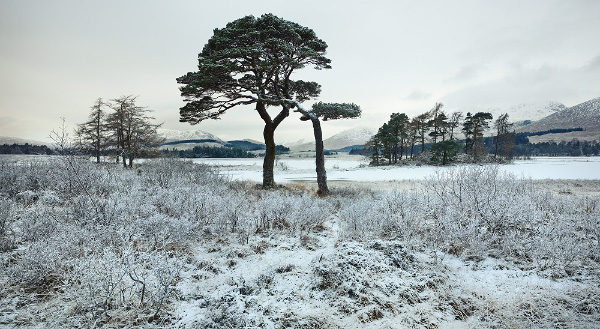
(584, 115)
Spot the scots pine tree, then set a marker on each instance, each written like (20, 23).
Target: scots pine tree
(249, 62)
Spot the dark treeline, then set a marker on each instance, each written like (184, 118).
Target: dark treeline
(228, 151)
(210, 152)
(572, 148)
(550, 131)
(25, 149)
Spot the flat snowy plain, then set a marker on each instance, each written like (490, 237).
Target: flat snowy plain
(355, 168)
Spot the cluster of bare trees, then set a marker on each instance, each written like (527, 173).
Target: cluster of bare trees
(118, 127)
(398, 137)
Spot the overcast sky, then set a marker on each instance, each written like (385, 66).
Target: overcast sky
(58, 57)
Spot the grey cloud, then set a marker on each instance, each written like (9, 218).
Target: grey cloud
(466, 73)
(594, 64)
(418, 95)
(522, 85)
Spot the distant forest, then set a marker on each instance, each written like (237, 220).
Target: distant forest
(236, 149)
(522, 148)
(25, 149)
(210, 152)
(572, 148)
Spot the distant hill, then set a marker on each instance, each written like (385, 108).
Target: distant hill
(522, 114)
(585, 115)
(188, 139)
(531, 111)
(21, 141)
(344, 139)
(179, 135)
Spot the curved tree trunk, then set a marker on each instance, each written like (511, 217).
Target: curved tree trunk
(320, 158)
(269, 160)
(269, 136)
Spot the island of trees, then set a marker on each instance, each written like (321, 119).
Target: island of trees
(441, 138)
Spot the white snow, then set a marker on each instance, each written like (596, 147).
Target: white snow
(356, 169)
(176, 135)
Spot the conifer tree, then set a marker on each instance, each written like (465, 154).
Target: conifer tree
(504, 139)
(422, 126)
(245, 63)
(325, 111)
(454, 122)
(92, 132)
(130, 129)
(438, 123)
(473, 127)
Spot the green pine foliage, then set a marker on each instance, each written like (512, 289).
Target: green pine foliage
(446, 151)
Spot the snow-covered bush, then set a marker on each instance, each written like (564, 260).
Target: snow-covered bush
(6, 221)
(108, 246)
(489, 212)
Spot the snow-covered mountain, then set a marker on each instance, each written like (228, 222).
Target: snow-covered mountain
(585, 115)
(301, 142)
(16, 140)
(532, 111)
(522, 114)
(348, 137)
(179, 135)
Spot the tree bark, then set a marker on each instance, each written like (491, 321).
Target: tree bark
(269, 136)
(98, 123)
(320, 158)
(269, 160)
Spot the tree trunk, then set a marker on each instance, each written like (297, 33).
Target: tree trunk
(320, 158)
(269, 160)
(269, 136)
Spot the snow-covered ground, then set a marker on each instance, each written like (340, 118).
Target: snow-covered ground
(174, 245)
(357, 169)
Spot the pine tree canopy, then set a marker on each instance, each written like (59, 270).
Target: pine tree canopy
(242, 61)
(335, 111)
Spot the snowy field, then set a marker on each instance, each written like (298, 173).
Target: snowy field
(178, 245)
(357, 169)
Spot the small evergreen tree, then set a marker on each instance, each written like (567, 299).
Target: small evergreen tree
(445, 151)
(454, 122)
(92, 133)
(438, 123)
(479, 124)
(422, 127)
(467, 130)
(504, 139)
(398, 126)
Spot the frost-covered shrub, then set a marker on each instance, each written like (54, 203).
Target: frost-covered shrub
(360, 218)
(307, 213)
(17, 177)
(271, 211)
(486, 211)
(160, 231)
(6, 222)
(128, 282)
(169, 172)
(388, 214)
